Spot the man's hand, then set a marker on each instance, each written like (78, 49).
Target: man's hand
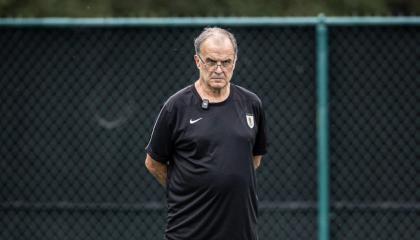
(257, 161)
(157, 169)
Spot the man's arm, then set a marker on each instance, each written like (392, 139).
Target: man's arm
(157, 169)
(257, 161)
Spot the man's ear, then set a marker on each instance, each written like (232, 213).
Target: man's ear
(234, 63)
(197, 61)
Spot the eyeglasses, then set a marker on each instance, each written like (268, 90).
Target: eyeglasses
(212, 65)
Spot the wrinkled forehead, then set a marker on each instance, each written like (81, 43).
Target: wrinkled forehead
(219, 46)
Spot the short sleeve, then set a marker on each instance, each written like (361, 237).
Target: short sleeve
(160, 144)
(260, 145)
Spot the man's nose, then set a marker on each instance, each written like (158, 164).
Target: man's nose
(218, 69)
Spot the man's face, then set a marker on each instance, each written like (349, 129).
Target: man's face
(216, 62)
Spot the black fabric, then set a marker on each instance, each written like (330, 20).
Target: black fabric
(211, 185)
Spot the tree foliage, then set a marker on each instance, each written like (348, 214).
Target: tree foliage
(203, 8)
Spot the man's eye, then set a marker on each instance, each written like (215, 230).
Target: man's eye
(211, 62)
(226, 63)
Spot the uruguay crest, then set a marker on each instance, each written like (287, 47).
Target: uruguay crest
(250, 120)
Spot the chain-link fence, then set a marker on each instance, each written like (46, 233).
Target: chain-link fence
(78, 105)
(374, 144)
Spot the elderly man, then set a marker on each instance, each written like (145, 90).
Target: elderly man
(207, 141)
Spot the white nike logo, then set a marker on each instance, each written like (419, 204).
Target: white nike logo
(194, 121)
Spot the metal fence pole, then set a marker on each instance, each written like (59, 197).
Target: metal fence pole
(322, 128)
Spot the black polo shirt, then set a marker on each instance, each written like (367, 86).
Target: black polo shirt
(211, 183)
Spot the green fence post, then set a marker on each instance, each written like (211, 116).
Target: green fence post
(322, 128)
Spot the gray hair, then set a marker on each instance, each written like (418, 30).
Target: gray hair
(213, 31)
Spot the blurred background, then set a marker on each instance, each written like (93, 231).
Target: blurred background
(193, 8)
(78, 102)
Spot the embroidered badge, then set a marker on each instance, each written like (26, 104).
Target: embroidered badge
(250, 120)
